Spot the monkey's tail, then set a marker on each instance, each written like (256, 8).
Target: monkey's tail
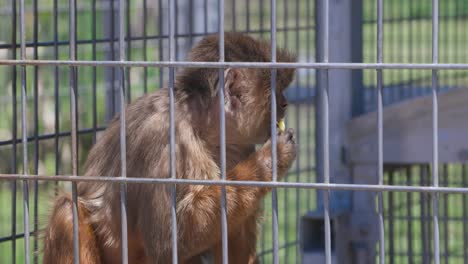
(58, 235)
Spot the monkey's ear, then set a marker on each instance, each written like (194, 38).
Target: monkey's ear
(232, 86)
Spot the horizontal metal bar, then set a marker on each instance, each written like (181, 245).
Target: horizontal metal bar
(139, 38)
(20, 235)
(284, 246)
(317, 186)
(270, 65)
(414, 18)
(52, 135)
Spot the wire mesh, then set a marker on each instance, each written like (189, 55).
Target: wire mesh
(119, 46)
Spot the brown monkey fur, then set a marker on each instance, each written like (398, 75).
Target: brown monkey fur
(248, 115)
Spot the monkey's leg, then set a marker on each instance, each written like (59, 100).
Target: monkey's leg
(58, 237)
(241, 244)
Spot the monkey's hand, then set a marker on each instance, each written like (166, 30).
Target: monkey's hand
(286, 153)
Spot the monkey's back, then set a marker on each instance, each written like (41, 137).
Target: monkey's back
(148, 156)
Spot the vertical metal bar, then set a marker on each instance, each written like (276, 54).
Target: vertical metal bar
(409, 212)
(94, 74)
(112, 53)
(446, 213)
(274, 194)
(176, 28)
(298, 135)
(247, 4)
(123, 141)
(205, 16)
(14, 132)
(410, 51)
(309, 107)
(325, 132)
(286, 191)
(160, 44)
(391, 222)
(56, 98)
(145, 44)
(261, 7)
(128, 88)
(222, 136)
(429, 219)
(36, 130)
(465, 212)
(172, 20)
(263, 244)
(24, 109)
(423, 218)
(435, 137)
(233, 15)
(380, 130)
(190, 21)
(396, 222)
(73, 117)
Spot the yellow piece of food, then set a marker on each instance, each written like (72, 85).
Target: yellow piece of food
(281, 125)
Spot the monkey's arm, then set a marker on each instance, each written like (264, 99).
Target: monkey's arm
(200, 209)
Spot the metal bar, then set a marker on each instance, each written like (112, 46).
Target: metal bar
(380, 172)
(172, 49)
(435, 121)
(391, 223)
(160, 44)
(233, 15)
(36, 128)
(325, 131)
(317, 186)
(285, 192)
(14, 133)
(274, 193)
(133, 38)
(445, 214)
(261, 5)
(298, 139)
(51, 135)
(205, 16)
(284, 246)
(56, 98)
(309, 110)
(73, 117)
(176, 29)
(128, 88)
(191, 21)
(123, 140)
(263, 246)
(94, 73)
(24, 130)
(14, 238)
(247, 5)
(410, 56)
(423, 220)
(112, 55)
(145, 46)
(269, 65)
(222, 135)
(409, 212)
(465, 211)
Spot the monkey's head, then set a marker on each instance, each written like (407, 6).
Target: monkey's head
(247, 92)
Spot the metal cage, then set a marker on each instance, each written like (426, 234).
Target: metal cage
(68, 67)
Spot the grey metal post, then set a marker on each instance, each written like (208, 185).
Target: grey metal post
(345, 45)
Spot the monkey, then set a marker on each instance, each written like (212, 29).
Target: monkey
(247, 105)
